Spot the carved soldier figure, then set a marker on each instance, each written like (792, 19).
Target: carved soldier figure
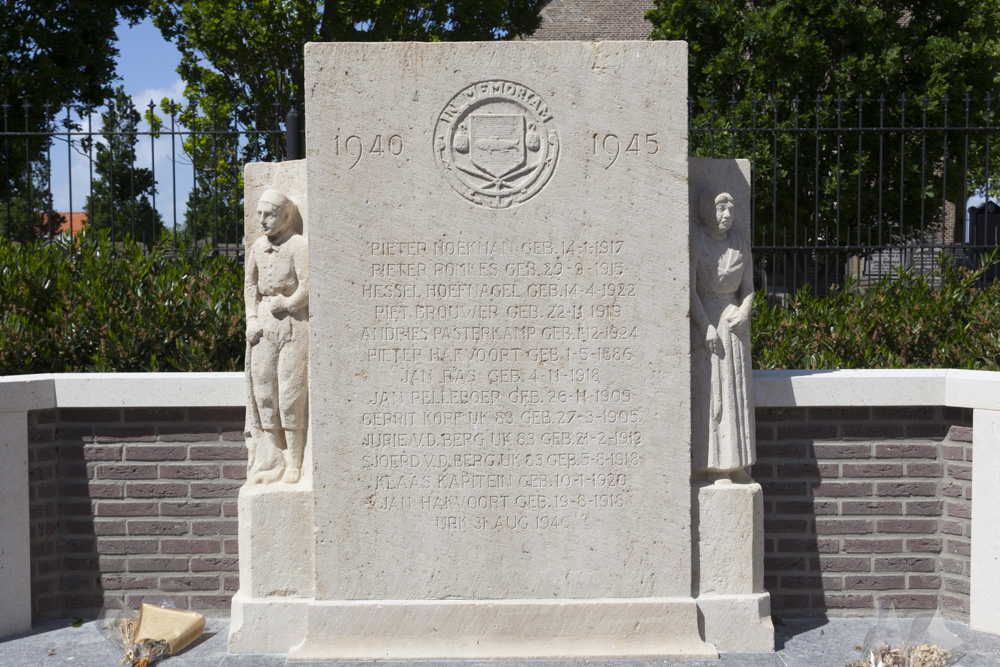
(721, 300)
(276, 290)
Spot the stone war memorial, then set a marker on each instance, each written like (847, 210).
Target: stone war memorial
(499, 392)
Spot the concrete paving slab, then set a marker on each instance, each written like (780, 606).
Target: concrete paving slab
(800, 642)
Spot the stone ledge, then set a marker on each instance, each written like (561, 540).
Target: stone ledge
(772, 389)
(463, 629)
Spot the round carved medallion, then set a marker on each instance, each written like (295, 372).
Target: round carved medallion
(496, 143)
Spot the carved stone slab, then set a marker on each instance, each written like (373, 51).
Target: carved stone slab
(728, 564)
(500, 358)
(277, 573)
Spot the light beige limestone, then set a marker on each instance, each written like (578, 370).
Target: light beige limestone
(266, 625)
(286, 177)
(721, 300)
(984, 602)
(734, 610)
(737, 623)
(728, 518)
(478, 629)
(729, 539)
(276, 293)
(277, 562)
(15, 539)
(277, 570)
(973, 389)
(499, 358)
(18, 395)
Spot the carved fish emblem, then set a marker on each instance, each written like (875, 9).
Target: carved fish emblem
(497, 142)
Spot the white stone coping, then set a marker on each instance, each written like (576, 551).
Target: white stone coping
(773, 389)
(953, 388)
(126, 390)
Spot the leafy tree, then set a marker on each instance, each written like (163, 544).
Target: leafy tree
(835, 47)
(215, 203)
(250, 54)
(799, 66)
(53, 54)
(242, 61)
(26, 211)
(120, 198)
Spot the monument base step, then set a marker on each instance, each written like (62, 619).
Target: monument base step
(266, 625)
(737, 623)
(480, 629)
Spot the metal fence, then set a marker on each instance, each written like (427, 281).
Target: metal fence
(841, 188)
(149, 176)
(857, 188)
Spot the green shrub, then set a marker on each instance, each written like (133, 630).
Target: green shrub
(942, 320)
(88, 305)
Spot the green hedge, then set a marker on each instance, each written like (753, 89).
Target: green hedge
(89, 305)
(942, 320)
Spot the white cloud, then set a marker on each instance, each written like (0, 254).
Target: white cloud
(71, 173)
(174, 92)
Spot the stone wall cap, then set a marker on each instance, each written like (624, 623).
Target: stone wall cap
(781, 388)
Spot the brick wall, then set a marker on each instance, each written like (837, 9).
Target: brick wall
(865, 503)
(133, 504)
(591, 20)
(130, 504)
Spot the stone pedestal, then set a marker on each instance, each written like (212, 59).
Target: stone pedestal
(512, 629)
(734, 610)
(15, 539)
(499, 456)
(984, 612)
(276, 569)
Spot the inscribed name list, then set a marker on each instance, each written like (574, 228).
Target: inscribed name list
(500, 370)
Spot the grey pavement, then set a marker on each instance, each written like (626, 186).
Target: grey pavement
(801, 642)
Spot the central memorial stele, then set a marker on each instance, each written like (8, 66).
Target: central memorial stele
(499, 443)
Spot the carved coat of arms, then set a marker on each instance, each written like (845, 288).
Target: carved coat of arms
(496, 143)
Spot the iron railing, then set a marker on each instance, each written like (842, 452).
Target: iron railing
(840, 188)
(856, 188)
(146, 180)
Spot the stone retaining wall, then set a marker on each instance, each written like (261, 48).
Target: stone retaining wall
(140, 503)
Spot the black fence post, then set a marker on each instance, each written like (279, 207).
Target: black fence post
(294, 133)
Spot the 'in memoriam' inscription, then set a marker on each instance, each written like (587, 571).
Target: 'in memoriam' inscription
(493, 401)
(496, 143)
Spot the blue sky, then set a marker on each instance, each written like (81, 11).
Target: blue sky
(147, 69)
(147, 63)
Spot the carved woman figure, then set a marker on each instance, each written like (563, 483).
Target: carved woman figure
(721, 299)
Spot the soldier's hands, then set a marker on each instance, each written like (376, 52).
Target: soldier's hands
(279, 304)
(254, 331)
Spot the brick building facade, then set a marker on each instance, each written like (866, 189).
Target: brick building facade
(593, 20)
